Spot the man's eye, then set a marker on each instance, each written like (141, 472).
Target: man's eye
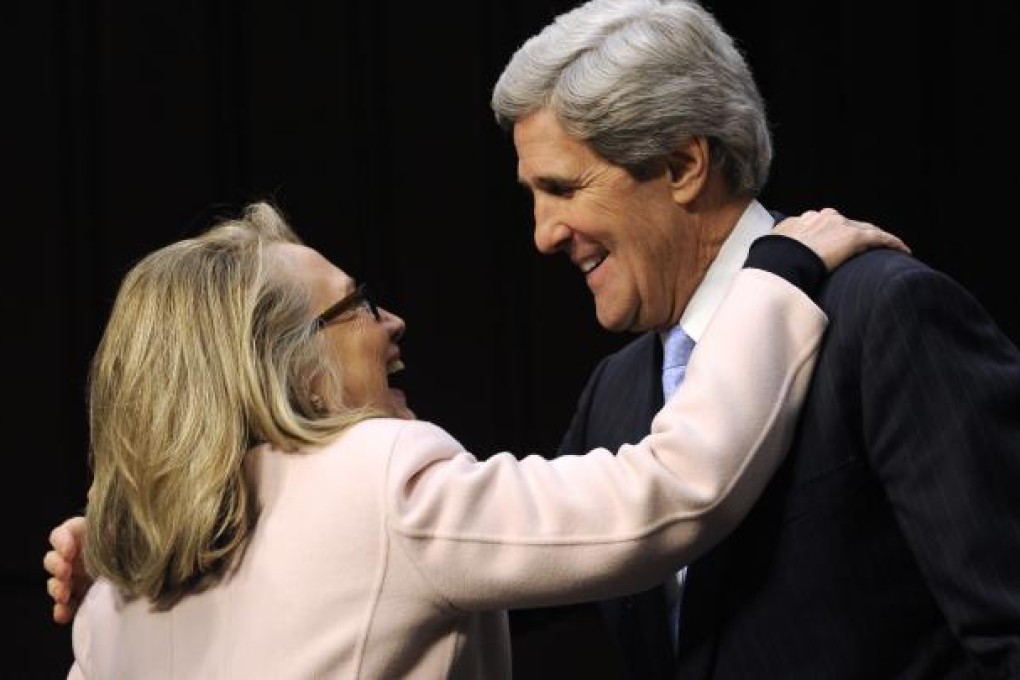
(560, 190)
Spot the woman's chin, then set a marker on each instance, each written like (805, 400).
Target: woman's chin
(398, 402)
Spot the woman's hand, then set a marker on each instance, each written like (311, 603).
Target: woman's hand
(835, 238)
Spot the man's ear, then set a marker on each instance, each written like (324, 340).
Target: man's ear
(688, 169)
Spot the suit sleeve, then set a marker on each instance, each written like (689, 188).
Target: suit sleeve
(582, 527)
(941, 400)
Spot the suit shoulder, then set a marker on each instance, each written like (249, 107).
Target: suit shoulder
(866, 292)
(882, 267)
(882, 276)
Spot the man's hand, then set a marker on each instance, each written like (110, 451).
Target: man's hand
(68, 580)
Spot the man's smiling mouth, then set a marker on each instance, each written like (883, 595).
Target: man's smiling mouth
(590, 264)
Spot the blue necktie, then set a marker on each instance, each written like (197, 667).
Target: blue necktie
(676, 350)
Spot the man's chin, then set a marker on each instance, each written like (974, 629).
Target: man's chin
(617, 322)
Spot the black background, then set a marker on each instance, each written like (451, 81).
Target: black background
(131, 124)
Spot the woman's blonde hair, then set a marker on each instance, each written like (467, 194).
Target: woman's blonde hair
(210, 349)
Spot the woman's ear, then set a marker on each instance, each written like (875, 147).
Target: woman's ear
(318, 403)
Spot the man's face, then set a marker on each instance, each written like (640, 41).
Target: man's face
(627, 236)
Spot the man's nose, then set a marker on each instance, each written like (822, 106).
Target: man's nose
(551, 232)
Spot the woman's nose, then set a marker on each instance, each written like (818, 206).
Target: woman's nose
(394, 324)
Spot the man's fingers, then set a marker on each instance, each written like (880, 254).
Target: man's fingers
(62, 614)
(67, 537)
(56, 565)
(63, 542)
(58, 590)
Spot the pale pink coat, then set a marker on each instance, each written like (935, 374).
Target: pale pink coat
(393, 552)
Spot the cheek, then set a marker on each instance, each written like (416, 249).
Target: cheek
(363, 384)
(648, 245)
(652, 260)
(364, 369)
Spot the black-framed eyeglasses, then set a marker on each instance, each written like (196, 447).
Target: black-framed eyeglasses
(359, 297)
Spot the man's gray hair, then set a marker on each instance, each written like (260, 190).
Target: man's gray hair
(637, 78)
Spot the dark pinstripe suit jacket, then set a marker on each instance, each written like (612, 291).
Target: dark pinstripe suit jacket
(888, 545)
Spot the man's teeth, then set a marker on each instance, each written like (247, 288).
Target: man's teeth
(394, 366)
(590, 264)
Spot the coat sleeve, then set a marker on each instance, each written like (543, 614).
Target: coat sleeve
(508, 532)
(941, 399)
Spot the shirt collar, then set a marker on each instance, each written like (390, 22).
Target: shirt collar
(756, 221)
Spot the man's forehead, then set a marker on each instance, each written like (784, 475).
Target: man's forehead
(551, 163)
